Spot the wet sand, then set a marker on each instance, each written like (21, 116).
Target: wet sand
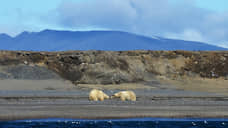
(61, 99)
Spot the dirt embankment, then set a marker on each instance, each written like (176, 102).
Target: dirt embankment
(106, 67)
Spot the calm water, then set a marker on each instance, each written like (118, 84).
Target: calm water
(118, 123)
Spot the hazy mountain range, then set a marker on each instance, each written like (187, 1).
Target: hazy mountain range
(52, 40)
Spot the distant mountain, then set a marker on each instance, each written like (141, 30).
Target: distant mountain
(51, 40)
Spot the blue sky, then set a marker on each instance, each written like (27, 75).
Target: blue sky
(197, 20)
(215, 5)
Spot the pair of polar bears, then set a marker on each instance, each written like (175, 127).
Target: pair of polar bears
(96, 95)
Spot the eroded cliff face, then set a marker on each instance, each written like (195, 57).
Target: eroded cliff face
(106, 67)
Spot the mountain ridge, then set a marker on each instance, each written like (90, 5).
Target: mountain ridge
(55, 40)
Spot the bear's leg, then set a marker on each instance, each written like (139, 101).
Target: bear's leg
(134, 99)
(91, 98)
(101, 98)
(95, 99)
(122, 98)
(128, 98)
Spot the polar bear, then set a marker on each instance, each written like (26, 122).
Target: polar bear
(125, 95)
(96, 95)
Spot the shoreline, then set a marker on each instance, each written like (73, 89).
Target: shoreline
(81, 108)
(123, 119)
(71, 102)
(181, 117)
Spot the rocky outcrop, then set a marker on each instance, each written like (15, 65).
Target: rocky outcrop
(108, 67)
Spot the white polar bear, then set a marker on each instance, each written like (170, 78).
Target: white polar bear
(125, 95)
(96, 95)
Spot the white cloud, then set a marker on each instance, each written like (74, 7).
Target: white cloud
(182, 20)
(223, 44)
(102, 13)
(188, 34)
(147, 17)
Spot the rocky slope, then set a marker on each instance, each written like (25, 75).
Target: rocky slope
(109, 67)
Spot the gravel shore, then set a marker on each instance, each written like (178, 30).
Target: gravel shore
(72, 102)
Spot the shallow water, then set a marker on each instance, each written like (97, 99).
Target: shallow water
(117, 123)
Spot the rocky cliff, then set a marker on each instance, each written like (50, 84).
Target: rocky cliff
(107, 67)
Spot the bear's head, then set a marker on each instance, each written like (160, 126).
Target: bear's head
(115, 95)
(106, 96)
